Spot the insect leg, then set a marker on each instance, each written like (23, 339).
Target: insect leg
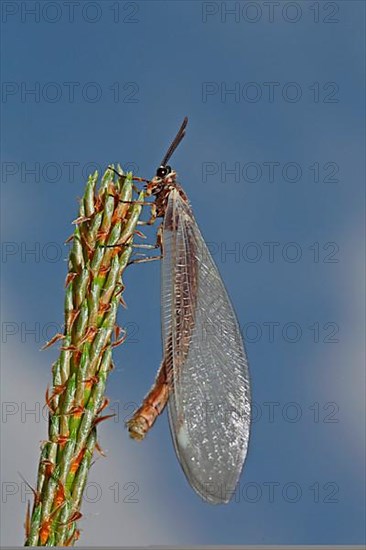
(152, 205)
(158, 244)
(142, 203)
(153, 216)
(121, 176)
(149, 246)
(143, 260)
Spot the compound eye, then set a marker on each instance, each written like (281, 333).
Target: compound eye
(162, 171)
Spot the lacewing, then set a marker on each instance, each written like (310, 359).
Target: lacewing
(204, 372)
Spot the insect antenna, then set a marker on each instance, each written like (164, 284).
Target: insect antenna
(176, 141)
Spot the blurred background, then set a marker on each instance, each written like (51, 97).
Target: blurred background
(273, 163)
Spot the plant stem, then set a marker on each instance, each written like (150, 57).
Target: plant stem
(93, 292)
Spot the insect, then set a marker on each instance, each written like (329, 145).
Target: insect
(204, 372)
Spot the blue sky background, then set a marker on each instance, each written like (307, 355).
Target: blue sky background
(163, 54)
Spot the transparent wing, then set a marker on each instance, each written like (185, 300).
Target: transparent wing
(209, 405)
